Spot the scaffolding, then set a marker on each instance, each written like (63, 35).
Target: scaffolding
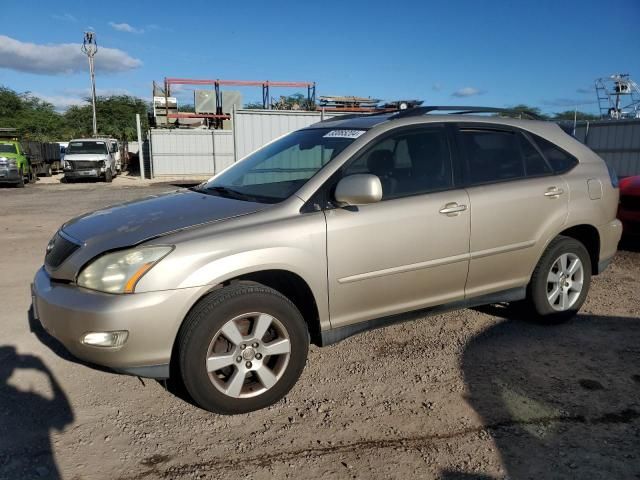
(618, 96)
(219, 116)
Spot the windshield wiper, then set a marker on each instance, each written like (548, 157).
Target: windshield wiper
(231, 193)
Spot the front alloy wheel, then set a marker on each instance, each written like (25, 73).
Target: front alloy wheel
(248, 355)
(241, 348)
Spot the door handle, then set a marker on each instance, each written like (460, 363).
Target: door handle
(452, 209)
(553, 192)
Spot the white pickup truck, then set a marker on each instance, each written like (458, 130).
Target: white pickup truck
(97, 158)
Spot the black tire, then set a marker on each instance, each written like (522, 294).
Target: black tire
(538, 305)
(108, 176)
(21, 181)
(206, 320)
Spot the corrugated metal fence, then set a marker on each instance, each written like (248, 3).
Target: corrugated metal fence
(176, 152)
(190, 152)
(254, 128)
(616, 141)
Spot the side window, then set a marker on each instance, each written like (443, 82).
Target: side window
(493, 155)
(408, 163)
(534, 164)
(560, 160)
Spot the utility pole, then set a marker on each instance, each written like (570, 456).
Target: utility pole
(90, 48)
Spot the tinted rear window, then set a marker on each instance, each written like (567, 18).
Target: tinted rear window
(534, 163)
(560, 160)
(493, 155)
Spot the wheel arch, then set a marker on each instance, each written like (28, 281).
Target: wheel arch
(286, 282)
(589, 236)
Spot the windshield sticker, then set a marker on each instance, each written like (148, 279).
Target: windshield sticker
(344, 133)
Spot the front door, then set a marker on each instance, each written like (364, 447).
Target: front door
(409, 250)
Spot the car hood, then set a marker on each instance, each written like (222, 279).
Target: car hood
(10, 155)
(134, 222)
(85, 157)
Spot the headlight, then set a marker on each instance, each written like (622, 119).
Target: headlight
(101, 163)
(119, 272)
(13, 162)
(5, 159)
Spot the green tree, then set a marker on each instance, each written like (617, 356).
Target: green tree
(571, 114)
(116, 117)
(521, 107)
(296, 101)
(34, 118)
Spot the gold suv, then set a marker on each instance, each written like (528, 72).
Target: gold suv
(347, 225)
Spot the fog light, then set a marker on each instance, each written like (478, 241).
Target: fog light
(106, 339)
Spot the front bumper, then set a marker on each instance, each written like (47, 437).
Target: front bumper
(68, 312)
(91, 173)
(9, 175)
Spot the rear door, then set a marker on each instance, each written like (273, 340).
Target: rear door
(409, 250)
(516, 201)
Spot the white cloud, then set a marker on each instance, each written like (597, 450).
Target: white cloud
(467, 92)
(64, 16)
(125, 27)
(61, 58)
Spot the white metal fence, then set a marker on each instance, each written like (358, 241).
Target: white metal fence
(190, 152)
(176, 152)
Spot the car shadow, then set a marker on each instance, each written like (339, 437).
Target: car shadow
(559, 401)
(27, 419)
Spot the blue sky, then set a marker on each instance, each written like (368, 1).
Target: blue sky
(498, 53)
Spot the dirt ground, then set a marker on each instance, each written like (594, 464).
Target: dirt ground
(474, 394)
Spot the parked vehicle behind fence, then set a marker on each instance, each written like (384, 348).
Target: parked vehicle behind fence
(90, 158)
(22, 161)
(344, 226)
(629, 209)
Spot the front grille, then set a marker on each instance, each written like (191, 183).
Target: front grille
(83, 165)
(630, 202)
(60, 250)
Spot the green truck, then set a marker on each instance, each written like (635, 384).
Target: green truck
(22, 162)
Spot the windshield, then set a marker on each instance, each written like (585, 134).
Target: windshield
(86, 147)
(277, 170)
(8, 148)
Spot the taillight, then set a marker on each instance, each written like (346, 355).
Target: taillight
(613, 176)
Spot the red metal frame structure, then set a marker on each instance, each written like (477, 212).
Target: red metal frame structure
(219, 115)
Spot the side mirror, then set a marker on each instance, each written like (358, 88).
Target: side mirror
(359, 189)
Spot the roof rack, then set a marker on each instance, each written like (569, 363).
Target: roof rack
(457, 110)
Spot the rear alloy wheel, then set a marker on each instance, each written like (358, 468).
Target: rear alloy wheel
(561, 280)
(242, 348)
(565, 281)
